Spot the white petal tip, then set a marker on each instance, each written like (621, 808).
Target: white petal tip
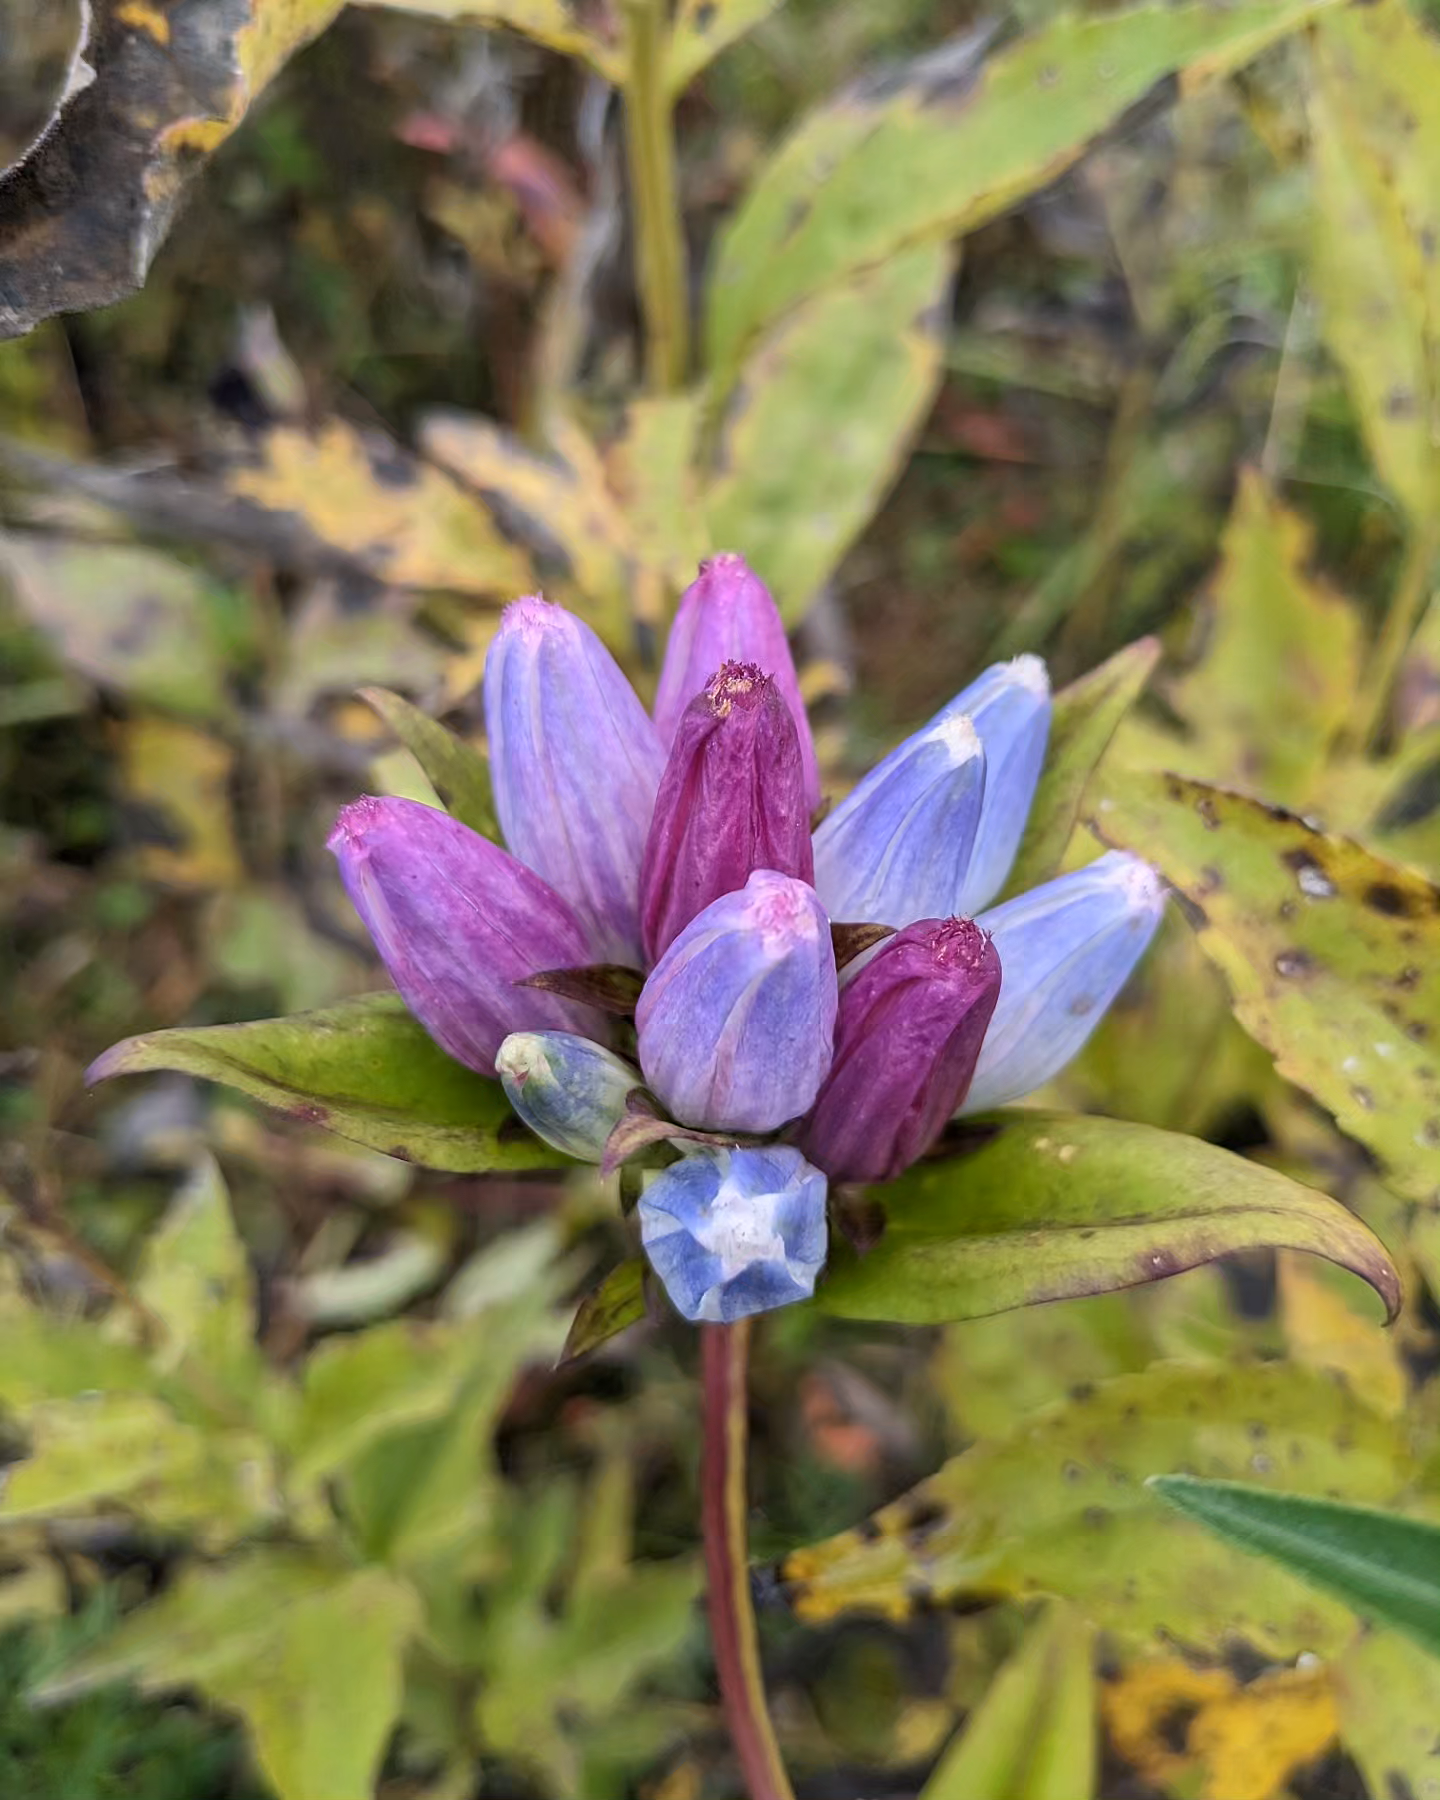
(1029, 672)
(957, 733)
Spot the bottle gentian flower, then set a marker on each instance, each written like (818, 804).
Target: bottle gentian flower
(743, 1028)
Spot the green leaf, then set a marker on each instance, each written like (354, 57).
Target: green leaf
(1267, 612)
(320, 1695)
(364, 1069)
(1387, 1568)
(1086, 717)
(931, 153)
(131, 620)
(614, 1304)
(1331, 955)
(1033, 1735)
(1057, 1505)
(458, 771)
(1389, 1700)
(195, 1278)
(310, 1657)
(702, 29)
(1375, 138)
(817, 426)
(1046, 1206)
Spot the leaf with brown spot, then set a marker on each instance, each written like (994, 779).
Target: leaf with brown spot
(375, 506)
(612, 1306)
(1048, 1206)
(702, 29)
(1086, 717)
(1331, 955)
(1057, 1505)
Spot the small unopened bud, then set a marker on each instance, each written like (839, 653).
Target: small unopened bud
(569, 1091)
(735, 1232)
(737, 1018)
(731, 800)
(909, 1034)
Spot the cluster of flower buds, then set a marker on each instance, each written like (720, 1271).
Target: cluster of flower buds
(681, 846)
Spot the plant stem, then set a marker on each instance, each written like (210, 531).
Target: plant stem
(724, 1358)
(660, 262)
(1412, 590)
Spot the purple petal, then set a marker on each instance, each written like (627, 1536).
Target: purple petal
(727, 615)
(575, 763)
(910, 1030)
(736, 1020)
(1068, 948)
(732, 800)
(457, 923)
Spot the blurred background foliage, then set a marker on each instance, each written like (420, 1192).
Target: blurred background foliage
(288, 1441)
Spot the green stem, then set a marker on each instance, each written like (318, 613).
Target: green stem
(1412, 590)
(660, 261)
(724, 1507)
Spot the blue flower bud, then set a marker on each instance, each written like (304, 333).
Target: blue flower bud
(737, 1020)
(575, 764)
(568, 1091)
(735, 1232)
(1067, 948)
(1009, 706)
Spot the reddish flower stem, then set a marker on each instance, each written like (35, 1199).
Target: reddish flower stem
(724, 1359)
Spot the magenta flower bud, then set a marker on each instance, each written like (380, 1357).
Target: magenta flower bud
(575, 763)
(732, 800)
(726, 615)
(909, 1035)
(457, 923)
(737, 1019)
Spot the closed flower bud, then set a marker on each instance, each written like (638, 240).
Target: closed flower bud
(735, 1232)
(898, 848)
(732, 800)
(575, 763)
(909, 1034)
(458, 923)
(1009, 706)
(1068, 948)
(726, 615)
(568, 1091)
(737, 1018)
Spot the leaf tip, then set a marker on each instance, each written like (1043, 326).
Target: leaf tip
(117, 1060)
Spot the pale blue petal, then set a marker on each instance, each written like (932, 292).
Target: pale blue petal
(1009, 706)
(1066, 950)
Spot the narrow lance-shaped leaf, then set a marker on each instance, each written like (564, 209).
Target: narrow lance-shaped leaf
(457, 770)
(941, 147)
(1047, 1206)
(1383, 1565)
(1084, 719)
(1033, 1735)
(364, 1069)
(818, 425)
(1057, 1505)
(1332, 955)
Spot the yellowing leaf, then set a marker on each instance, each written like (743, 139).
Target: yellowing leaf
(585, 553)
(819, 422)
(1332, 955)
(1057, 1505)
(651, 466)
(1033, 1735)
(177, 781)
(1324, 1329)
(1376, 163)
(1249, 723)
(702, 29)
(403, 521)
(940, 149)
(1245, 1742)
(1389, 1695)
